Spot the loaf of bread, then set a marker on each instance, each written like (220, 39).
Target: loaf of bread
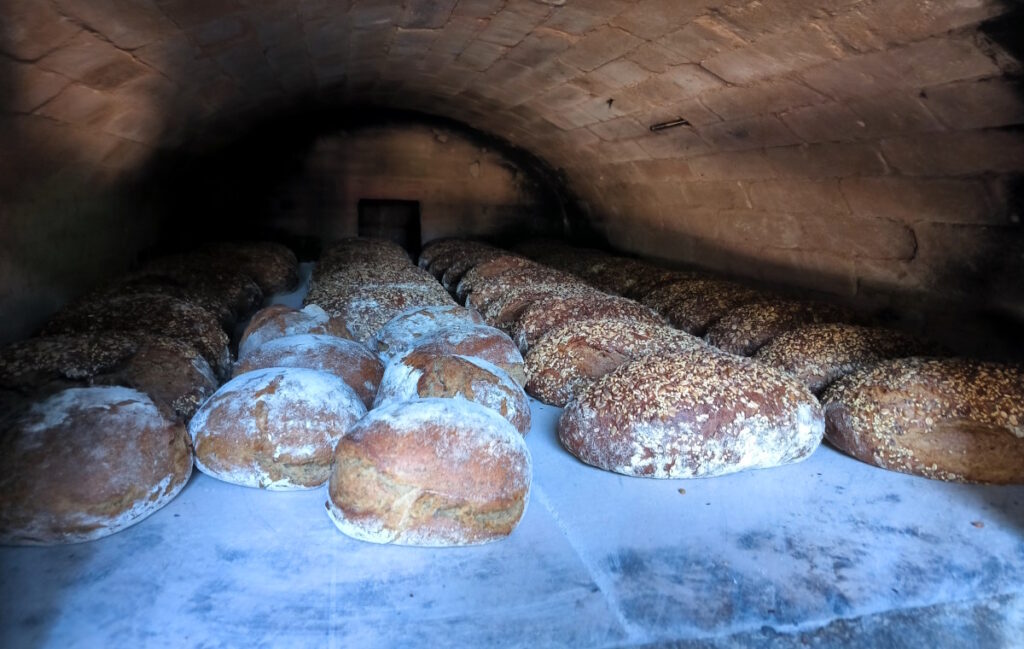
(342, 280)
(363, 311)
(274, 428)
(362, 251)
(458, 268)
(438, 247)
(279, 321)
(694, 305)
(434, 472)
(694, 414)
(439, 264)
(88, 462)
(271, 265)
(819, 354)
(748, 327)
(504, 311)
(476, 341)
(575, 354)
(205, 275)
(488, 270)
(501, 286)
(945, 419)
(409, 328)
(630, 277)
(350, 361)
(148, 314)
(420, 375)
(550, 313)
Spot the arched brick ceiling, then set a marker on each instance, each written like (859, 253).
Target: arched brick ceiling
(842, 144)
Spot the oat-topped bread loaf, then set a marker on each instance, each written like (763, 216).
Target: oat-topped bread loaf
(819, 354)
(649, 279)
(439, 263)
(202, 274)
(550, 313)
(693, 414)
(174, 375)
(85, 463)
(694, 305)
(577, 353)
(144, 315)
(362, 251)
(350, 361)
(363, 311)
(420, 375)
(272, 265)
(346, 278)
(504, 311)
(946, 419)
(500, 286)
(409, 328)
(489, 270)
(279, 321)
(437, 247)
(274, 428)
(748, 327)
(434, 472)
(476, 341)
(455, 271)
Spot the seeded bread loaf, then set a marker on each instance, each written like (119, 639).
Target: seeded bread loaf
(694, 305)
(204, 275)
(274, 428)
(420, 375)
(434, 472)
(550, 313)
(748, 327)
(409, 328)
(88, 462)
(945, 419)
(483, 273)
(350, 361)
(504, 311)
(501, 286)
(271, 265)
(819, 354)
(458, 269)
(694, 414)
(279, 321)
(579, 352)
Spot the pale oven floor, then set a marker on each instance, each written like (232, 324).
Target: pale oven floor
(829, 552)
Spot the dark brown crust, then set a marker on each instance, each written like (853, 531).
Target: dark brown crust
(488, 270)
(693, 305)
(498, 287)
(945, 419)
(504, 311)
(546, 314)
(693, 414)
(575, 354)
(458, 269)
(748, 327)
(91, 473)
(350, 361)
(271, 265)
(209, 277)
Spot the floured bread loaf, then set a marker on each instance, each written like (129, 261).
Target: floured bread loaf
(819, 354)
(279, 321)
(409, 328)
(946, 419)
(477, 341)
(484, 272)
(365, 310)
(544, 315)
(434, 472)
(274, 428)
(271, 265)
(85, 463)
(694, 414)
(148, 314)
(577, 353)
(421, 375)
(748, 327)
(694, 305)
(350, 361)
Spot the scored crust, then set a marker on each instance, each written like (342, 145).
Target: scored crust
(476, 341)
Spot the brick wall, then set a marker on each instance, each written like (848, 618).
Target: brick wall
(868, 148)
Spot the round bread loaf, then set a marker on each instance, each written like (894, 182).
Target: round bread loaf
(628, 277)
(501, 286)
(364, 311)
(488, 270)
(694, 305)
(409, 328)
(279, 321)
(440, 263)
(434, 472)
(272, 266)
(694, 414)
(274, 428)
(650, 279)
(341, 281)
(148, 315)
(945, 419)
(350, 361)
(504, 311)
(205, 274)
(748, 327)
(550, 313)
(362, 251)
(421, 375)
(575, 354)
(819, 354)
(458, 269)
(437, 247)
(86, 463)
(476, 341)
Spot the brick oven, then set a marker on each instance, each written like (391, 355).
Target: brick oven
(863, 155)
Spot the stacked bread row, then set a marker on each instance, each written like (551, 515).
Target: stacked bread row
(956, 419)
(94, 408)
